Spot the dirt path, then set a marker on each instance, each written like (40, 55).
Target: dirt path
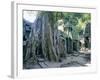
(72, 60)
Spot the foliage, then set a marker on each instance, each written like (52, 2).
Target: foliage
(53, 41)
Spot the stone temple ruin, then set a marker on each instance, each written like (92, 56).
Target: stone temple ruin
(60, 46)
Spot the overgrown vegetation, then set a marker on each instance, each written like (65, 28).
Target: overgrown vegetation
(54, 35)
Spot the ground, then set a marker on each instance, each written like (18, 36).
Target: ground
(77, 59)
